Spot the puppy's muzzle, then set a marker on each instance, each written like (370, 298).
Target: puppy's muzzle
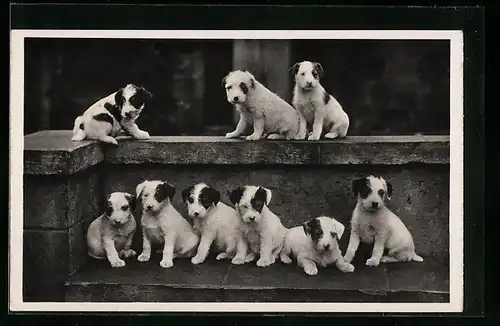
(149, 207)
(251, 218)
(196, 214)
(327, 247)
(374, 205)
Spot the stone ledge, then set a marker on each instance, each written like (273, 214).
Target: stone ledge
(53, 152)
(218, 281)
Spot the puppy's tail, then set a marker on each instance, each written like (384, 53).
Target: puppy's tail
(78, 132)
(417, 258)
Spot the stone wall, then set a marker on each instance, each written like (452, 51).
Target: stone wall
(65, 183)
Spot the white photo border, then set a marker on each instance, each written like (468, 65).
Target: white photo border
(456, 232)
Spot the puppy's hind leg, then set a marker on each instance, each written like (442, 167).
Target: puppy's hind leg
(275, 136)
(241, 252)
(285, 255)
(108, 139)
(230, 249)
(78, 133)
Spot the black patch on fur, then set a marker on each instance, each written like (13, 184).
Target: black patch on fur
(119, 98)
(209, 196)
(81, 126)
(313, 229)
(140, 98)
(252, 82)
(114, 111)
(362, 187)
(317, 70)
(259, 199)
(326, 97)
(108, 207)
(389, 188)
(244, 88)
(295, 68)
(104, 117)
(164, 190)
(131, 201)
(186, 193)
(235, 195)
(224, 81)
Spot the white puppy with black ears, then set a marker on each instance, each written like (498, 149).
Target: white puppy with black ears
(113, 114)
(257, 105)
(216, 222)
(110, 235)
(262, 229)
(163, 224)
(315, 105)
(373, 223)
(316, 243)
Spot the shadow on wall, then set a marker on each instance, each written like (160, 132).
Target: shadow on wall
(387, 87)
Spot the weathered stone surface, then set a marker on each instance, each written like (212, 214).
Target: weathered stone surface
(420, 196)
(387, 150)
(53, 152)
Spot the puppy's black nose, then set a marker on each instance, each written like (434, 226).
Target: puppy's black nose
(309, 84)
(149, 207)
(252, 218)
(327, 246)
(374, 204)
(235, 99)
(196, 214)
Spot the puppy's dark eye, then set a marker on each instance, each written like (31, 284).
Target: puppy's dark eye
(124, 207)
(229, 87)
(303, 73)
(381, 192)
(145, 195)
(244, 206)
(190, 200)
(334, 235)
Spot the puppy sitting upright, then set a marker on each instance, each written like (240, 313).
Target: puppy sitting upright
(315, 105)
(216, 222)
(315, 242)
(113, 114)
(262, 229)
(162, 224)
(373, 222)
(269, 113)
(110, 235)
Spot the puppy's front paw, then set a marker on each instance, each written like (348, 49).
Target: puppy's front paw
(127, 253)
(250, 257)
(372, 262)
(142, 135)
(197, 260)
(264, 262)
(166, 263)
(143, 257)
(285, 259)
(312, 136)
(231, 135)
(346, 268)
(221, 256)
(311, 270)
(253, 137)
(275, 136)
(238, 260)
(117, 263)
(300, 136)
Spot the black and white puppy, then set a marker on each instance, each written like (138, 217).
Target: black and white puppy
(315, 105)
(315, 242)
(262, 229)
(216, 223)
(113, 114)
(373, 223)
(163, 224)
(110, 235)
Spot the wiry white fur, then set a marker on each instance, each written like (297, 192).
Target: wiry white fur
(269, 114)
(164, 225)
(308, 255)
(264, 232)
(381, 227)
(220, 224)
(103, 131)
(111, 236)
(308, 96)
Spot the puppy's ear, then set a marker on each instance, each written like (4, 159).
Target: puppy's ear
(307, 227)
(186, 192)
(223, 83)
(140, 188)
(119, 99)
(295, 68)
(168, 190)
(269, 195)
(252, 82)
(146, 95)
(338, 228)
(357, 185)
(213, 195)
(318, 68)
(389, 190)
(108, 206)
(235, 195)
(131, 201)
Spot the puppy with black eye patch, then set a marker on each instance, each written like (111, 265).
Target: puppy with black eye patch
(270, 115)
(216, 223)
(315, 105)
(262, 229)
(112, 115)
(373, 223)
(110, 235)
(163, 224)
(316, 243)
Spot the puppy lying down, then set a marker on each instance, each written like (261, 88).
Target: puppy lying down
(315, 243)
(110, 235)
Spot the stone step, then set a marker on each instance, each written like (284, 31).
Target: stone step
(219, 281)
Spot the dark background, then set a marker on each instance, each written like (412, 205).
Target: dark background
(388, 87)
